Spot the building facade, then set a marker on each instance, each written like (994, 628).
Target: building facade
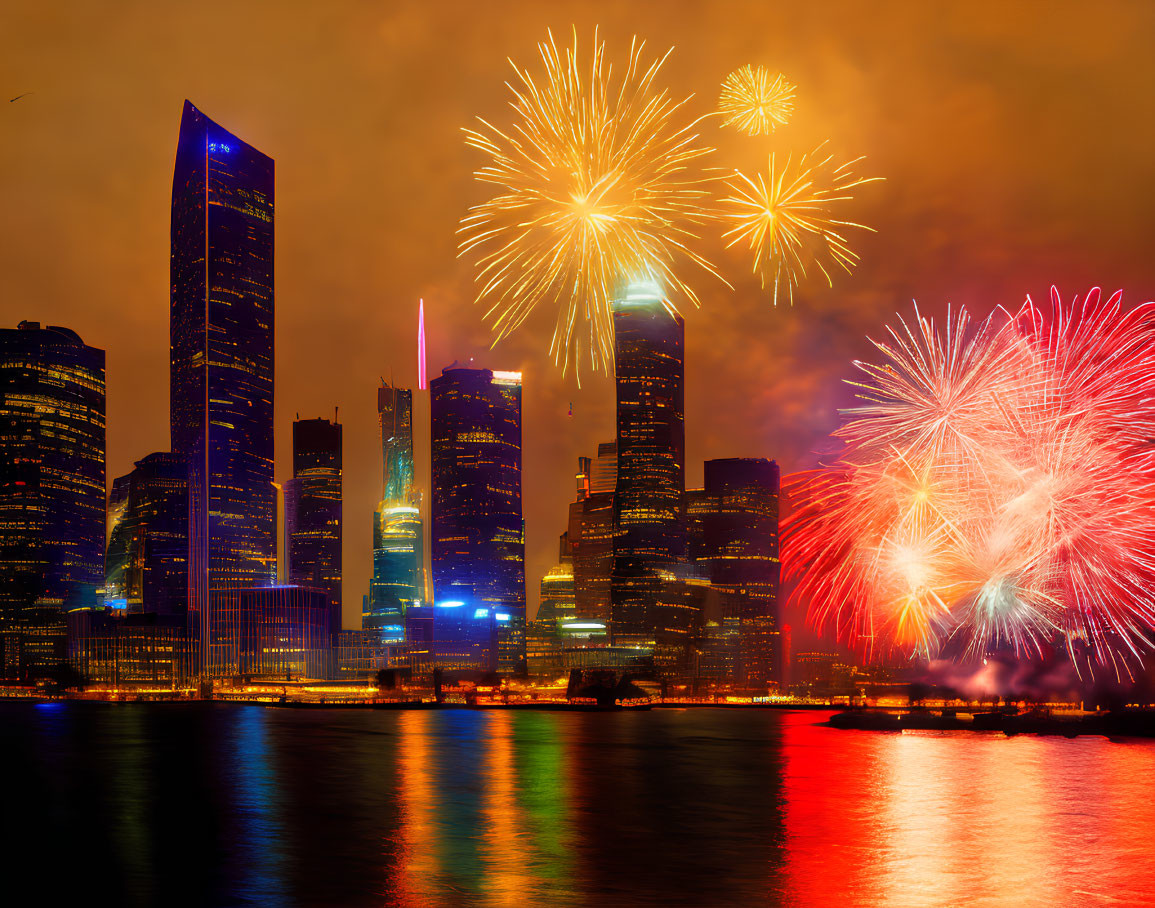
(221, 381)
(52, 488)
(313, 511)
(477, 538)
(272, 632)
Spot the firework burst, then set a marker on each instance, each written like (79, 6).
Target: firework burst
(598, 184)
(997, 488)
(787, 219)
(756, 101)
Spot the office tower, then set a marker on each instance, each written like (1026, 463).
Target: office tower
(52, 494)
(649, 533)
(738, 551)
(591, 534)
(146, 567)
(478, 544)
(221, 386)
(313, 511)
(398, 532)
(733, 536)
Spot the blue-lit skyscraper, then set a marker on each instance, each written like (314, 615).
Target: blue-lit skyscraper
(52, 494)
(221, 387)
(398, 532)
(478, 547)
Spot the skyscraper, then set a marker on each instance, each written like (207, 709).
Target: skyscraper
(147, 559)
(52, 475)
(649, 531)
(313, 511)
(738, 551)
(734, 544)
(398, 533)
(591, 534)
(222, 358)
(478, 542)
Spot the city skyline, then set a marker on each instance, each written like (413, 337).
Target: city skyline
(647, 452)
(342, 266)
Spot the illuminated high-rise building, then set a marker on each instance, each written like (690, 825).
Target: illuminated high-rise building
(478, 547)
(313, 511)
(146, 564)
(398, 580)
(738, 545)
(649, 531)
(52, 485)
(733, 541)
(221, 389)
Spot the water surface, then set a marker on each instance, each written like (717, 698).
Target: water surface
(210, 804)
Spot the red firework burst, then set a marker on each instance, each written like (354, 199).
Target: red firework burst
(996, 487)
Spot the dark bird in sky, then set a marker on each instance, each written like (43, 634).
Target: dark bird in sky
(18, 97)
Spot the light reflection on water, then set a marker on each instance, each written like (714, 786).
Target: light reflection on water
(205, 804)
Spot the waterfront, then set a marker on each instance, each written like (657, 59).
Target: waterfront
(218, 804)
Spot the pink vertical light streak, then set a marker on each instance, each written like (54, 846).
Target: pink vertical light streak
(421, 345)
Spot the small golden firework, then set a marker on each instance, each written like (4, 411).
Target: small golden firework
(756, 101)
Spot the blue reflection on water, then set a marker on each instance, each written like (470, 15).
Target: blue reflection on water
(261, 833)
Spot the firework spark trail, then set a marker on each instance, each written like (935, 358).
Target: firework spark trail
(756, 101)
(997, 487)
(599, 183)
(787, 218)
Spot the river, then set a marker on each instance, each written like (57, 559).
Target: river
(211, 804)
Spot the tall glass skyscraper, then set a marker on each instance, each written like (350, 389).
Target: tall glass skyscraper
(398, 532)
(478, 536)
(52, 475)
(313, 511)
(221, 386)
(649, 531)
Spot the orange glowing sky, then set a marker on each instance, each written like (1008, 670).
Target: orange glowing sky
(1016, 142)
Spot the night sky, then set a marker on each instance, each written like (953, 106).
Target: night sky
(1016, 142)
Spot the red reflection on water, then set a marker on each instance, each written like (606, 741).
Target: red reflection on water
(925, 818)
(506, 879)
(417, 867)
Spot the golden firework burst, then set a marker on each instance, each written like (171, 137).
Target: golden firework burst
(599, 183)
(786, 216)
(756, 101)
